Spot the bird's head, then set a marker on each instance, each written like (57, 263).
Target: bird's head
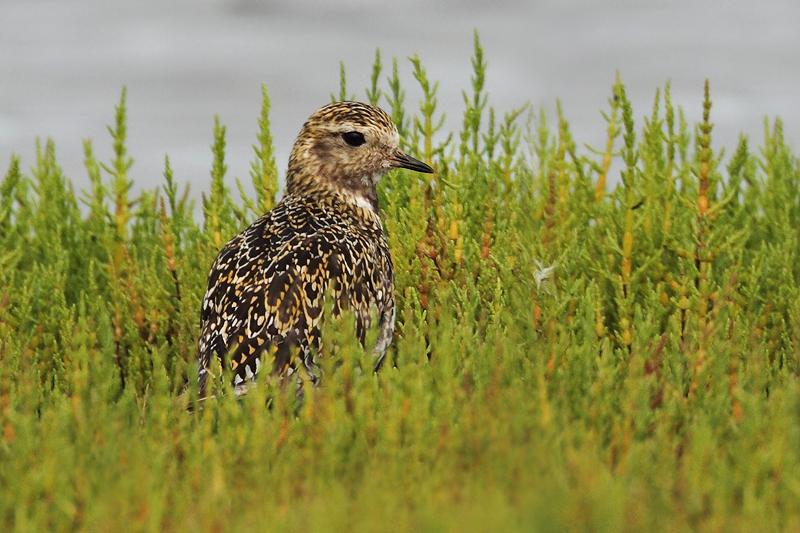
(347, 147)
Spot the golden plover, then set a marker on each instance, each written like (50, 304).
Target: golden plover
(267, 285)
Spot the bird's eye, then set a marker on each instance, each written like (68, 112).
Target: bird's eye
(354, 138)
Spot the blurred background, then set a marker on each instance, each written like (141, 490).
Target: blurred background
(63, 63)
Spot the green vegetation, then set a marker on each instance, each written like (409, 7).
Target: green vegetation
(649, 380)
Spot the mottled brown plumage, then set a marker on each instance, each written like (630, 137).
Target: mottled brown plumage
(267, 287)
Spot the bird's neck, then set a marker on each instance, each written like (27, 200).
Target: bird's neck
(360, 192)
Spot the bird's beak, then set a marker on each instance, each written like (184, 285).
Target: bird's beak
(402, 160)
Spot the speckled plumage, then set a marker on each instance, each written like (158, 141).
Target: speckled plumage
(267, 287)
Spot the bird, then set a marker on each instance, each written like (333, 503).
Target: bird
(325, 238)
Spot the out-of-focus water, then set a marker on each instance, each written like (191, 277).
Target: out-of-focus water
(62, 64)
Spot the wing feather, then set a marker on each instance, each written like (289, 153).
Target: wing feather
(267, 285)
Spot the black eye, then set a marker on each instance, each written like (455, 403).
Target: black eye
(354, 138)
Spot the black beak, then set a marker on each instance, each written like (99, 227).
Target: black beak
(402, 160)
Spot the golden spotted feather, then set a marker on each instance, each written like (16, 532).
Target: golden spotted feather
(266, 288)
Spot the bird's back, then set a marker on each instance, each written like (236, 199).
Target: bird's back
(267, 286)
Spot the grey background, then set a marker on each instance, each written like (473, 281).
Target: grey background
(62, 64)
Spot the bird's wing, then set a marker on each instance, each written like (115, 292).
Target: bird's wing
(266, 289)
